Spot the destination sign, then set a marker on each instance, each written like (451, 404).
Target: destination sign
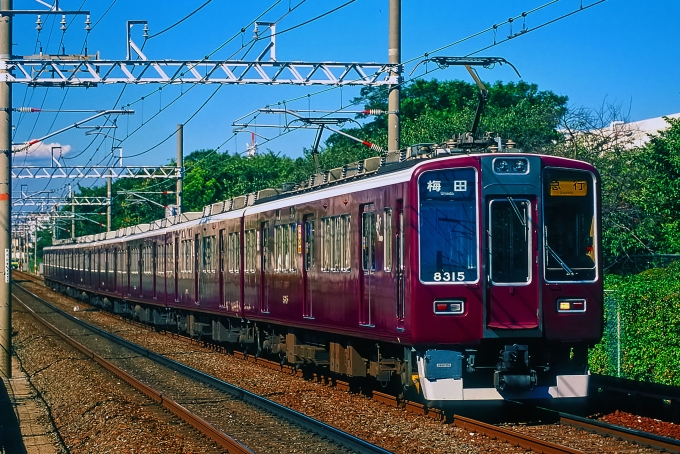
(568, 188)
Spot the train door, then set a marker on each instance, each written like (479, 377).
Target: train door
(197, 248)
(512, 293)
(308, 266)
(128, 271)
(154, 260)
(221, 267)
(368, 216)
(263, 245)
(114, 268)
(175, 267)
(399, 266)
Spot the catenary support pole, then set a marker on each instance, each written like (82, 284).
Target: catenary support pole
(394, 55)
(35, 248)
(5, 194)
(73, 212)
(108, 204)
(180, 164)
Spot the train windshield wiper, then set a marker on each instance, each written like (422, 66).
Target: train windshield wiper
(522, 219)
(557, 257)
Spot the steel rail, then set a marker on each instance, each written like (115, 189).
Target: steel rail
(512, 437)
(185, 415)
(335, 435)
(634, 436)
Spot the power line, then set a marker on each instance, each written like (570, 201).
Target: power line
(180, 21)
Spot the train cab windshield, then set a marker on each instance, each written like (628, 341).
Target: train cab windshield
(569, 225)
(448, 225)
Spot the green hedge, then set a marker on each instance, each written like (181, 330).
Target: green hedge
(642, 319)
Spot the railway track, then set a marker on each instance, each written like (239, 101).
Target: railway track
(216, 408)
(512, 436)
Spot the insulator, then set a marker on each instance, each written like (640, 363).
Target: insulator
(87, 23)
(38, 23)
(146, 30)
(27, 109)
(63, 23)
(374, 112)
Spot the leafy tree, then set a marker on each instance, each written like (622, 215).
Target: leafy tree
(643, 322)
(639, 184)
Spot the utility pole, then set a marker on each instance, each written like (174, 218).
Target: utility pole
(180, 164)
(5, 192)
(394, 55)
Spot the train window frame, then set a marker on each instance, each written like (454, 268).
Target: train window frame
(187, 255)
(250, 250)
(516, 205)
(147, 260)
(208, 254)
(335, 242)
(476, 226)
(234, 252)
(387, 239)
(592, 196)
(134, 260)
(285, 248)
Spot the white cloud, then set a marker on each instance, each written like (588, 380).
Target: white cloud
(41, 150)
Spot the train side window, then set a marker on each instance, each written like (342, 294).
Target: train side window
(336, 240)
(327, 242)
(134, 261)
(368, 238)
(309, 242)
(346, 242)
(387, 239)
(208, 265)
(187, 255)
(234, 252)
(169, 256)
(285, 245)
(145, 264)
(222, 251)
(250, 251)
(293, 246)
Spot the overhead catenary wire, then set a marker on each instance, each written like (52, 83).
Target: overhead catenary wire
(405, 81)
(426, 54)
(181, 20)
(252, 42)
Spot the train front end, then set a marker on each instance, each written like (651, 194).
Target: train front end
(508, 293)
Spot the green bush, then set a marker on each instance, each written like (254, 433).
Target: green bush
(642, 318)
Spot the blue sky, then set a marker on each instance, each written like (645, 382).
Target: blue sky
(621, 52)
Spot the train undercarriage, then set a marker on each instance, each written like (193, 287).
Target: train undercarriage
(491, 370)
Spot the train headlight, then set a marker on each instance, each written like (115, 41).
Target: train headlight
(510, 165)
(571, 305)
(449, 307)
(519, 166)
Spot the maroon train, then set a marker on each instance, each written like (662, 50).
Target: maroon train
(462, 276)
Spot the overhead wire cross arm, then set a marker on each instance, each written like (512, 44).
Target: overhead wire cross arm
(93, 72)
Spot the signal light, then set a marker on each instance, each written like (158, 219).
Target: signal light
(450, 307)
(571, 305)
